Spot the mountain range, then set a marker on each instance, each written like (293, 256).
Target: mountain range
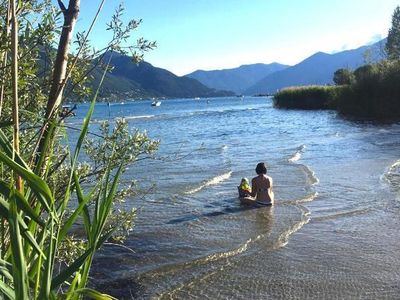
(317, 69)
(237, 79)
(130, 80)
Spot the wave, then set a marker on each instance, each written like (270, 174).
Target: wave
(212, 112)
(308, 198)
(138, 117)
(392, 176)
(213, 181)
(335, 216)
(312, 178)
(297, 155)
(284, 237)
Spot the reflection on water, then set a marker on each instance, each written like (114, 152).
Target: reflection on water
(333, 232)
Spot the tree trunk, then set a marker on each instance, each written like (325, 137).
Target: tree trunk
(60, 65)
(58, 80)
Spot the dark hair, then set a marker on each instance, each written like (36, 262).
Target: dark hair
(261, 168)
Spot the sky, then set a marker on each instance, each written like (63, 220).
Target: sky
(220, 34)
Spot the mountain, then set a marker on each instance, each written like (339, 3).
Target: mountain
(237, 79)
(317, 69)
(143, 80)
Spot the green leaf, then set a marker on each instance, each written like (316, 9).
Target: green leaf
(71, 220)
(92, 294)
(8, 149)
(7, 291)
(37, 184)
(81, 198)
(5, 212)
(19, 265)
(86, 121)
(6, 269)
(22, 203)
(49, 264)
(71, 269)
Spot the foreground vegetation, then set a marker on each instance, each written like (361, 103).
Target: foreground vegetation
(46, 190)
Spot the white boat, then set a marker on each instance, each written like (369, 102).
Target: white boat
(156, 103)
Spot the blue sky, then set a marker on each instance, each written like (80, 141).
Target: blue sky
(218, 34)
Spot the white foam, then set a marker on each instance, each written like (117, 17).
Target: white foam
(308, 198)
(213, 181)
(297, 155)
(394, 166)
(138, 117)
(314, 180)
(392, 177)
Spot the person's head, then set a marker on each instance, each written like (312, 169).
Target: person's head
(244, 181)
(261, 168)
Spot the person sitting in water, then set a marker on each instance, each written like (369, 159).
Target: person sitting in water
(261, 188)
(244, 188)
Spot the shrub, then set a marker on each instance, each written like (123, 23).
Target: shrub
(375, 93)
(343, 77)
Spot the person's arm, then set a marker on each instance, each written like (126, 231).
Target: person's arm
(271, 192)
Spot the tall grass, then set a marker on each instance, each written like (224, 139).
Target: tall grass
(307, 97)
(38, 225)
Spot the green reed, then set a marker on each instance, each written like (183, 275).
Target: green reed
(307, 97)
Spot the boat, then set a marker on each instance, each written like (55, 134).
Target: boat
(156, 103)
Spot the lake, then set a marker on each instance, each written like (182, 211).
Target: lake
(332, 233)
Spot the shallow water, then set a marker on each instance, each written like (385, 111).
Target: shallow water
(333, 232)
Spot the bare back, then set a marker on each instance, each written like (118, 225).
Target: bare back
(262, 188)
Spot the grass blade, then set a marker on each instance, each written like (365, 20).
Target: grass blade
(71, 269)
(71, 220)
(92, 294)
(37, 184)
(80, 196)
(22, 203)
(19, 265)
(6, 291)
(8, 149)
(6, 212)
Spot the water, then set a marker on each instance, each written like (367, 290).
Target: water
(333, 232)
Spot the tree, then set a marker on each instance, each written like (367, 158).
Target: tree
(343, 77)
(393, 39)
